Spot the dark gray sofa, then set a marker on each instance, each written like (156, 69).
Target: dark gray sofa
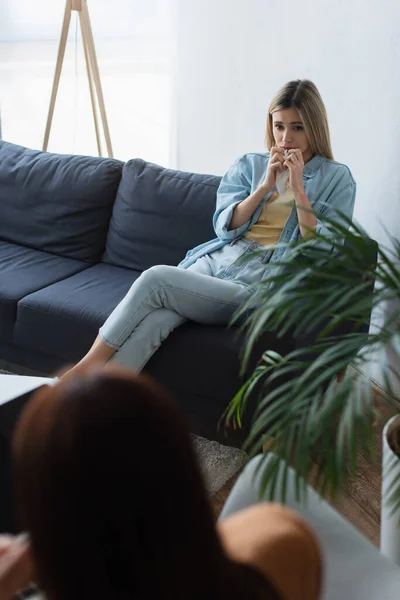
(75, 232)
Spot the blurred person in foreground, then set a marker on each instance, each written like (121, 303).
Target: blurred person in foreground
(108, 486)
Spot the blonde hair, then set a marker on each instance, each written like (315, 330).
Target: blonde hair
(304, 96)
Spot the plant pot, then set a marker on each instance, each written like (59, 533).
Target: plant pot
(390, 521)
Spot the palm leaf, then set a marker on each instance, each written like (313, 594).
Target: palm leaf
(321, 297)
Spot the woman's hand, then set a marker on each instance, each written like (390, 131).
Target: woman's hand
(16, 570)
(295, 164)
(275, 166)
(305, 214)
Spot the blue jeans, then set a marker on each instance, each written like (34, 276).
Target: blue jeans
(164, 297)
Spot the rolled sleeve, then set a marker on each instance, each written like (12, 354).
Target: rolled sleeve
(235, 187)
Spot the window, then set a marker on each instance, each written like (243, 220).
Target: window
(134, 49)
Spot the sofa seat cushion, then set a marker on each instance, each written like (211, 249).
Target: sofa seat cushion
(158, 215)
(63, 319)
(55, 202)
(24, 271)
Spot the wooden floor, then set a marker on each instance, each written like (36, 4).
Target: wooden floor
(361, 505)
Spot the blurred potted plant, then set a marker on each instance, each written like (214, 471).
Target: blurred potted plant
(313, 411)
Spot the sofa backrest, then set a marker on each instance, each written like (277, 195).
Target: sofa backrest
(58, 203)
(158, 215)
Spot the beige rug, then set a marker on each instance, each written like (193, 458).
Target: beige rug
(219, 463)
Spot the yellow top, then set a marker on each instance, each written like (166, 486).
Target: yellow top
(272, 219)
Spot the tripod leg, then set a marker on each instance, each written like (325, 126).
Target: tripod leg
(96, 74)
(57, 74)
(90, 79)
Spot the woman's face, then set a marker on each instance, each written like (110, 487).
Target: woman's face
(289, 133)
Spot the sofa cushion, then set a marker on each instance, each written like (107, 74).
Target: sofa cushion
(158, 215)
(57, 203)
(24, 271)
(63, 319)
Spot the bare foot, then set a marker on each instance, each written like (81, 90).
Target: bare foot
(82, 366)
(98, 355)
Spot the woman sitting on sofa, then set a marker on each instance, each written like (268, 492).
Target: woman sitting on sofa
(110, 490)
(251, 215)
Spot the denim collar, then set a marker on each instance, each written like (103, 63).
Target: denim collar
(313, 165)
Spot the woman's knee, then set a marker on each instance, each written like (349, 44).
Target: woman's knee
(157, 275)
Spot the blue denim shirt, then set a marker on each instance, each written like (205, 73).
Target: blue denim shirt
(329, 185)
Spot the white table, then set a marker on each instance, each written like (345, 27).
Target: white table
(12, 386)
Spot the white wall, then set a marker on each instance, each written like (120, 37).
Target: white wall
(25, 20)
(232, 57)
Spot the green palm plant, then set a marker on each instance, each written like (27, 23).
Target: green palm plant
(313, 414)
